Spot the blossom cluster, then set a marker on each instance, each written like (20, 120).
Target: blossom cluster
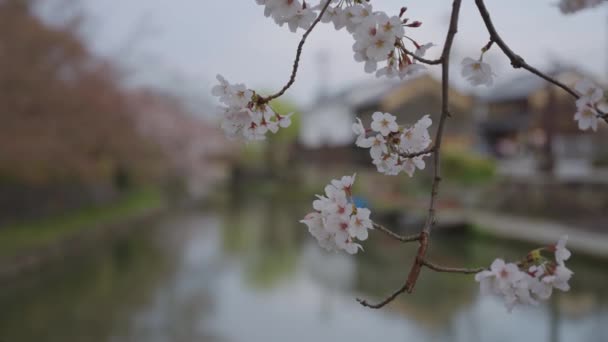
(243, 115)
(592, 98)
(336, 222)
(530, 281)
(391, 145)
(294, 13)
(379, 38)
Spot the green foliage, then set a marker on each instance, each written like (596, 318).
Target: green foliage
(30, 235)
(601, 160)
(466, 167)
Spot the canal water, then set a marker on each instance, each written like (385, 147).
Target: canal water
(250, 272)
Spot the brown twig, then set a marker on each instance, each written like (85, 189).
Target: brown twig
(296, 61)
(385, 301)
(407, 238)
(421, 59)
(430, 220)
(430, 265)
(439, 268)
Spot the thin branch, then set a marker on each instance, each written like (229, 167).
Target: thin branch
(516, 60)
(418, 154)
(407, 238)
(383, 302)
(296, 61)
(430, 221)
(439, 268)
(421, 59)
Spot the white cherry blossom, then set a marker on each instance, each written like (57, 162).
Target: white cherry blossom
(384, 123)
(243, 115)
(422, 49)
(389, 148)
(411, 164)
(477, 72)
(302, 19)
(360, 223)
(559, 278)
(589, 91)
(378, 146)
(529, 281)
(591, 100)
(335, 222)
(506, 280)
(586, 116)
(345, 184)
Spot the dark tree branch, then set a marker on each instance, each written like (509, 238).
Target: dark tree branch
(445, 113)
(385, 301)
(296, 61)
(407, 238)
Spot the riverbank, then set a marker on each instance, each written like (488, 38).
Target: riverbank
(30, 245)
(530, 230)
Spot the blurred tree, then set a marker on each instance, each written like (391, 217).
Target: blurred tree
(66, 121)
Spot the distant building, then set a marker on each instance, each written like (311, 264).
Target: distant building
(326, 134)
(530, 118)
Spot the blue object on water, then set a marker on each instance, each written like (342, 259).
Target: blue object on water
(360, 202)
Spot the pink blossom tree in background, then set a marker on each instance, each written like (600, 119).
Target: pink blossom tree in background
(385, 44)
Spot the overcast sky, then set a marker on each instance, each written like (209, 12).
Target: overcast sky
(189, 41)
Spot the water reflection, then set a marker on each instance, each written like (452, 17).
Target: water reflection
(249, 272)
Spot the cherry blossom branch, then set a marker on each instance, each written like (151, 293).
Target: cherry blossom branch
(430, 220)
(296, 61)
(516, 60)
(445, 113)
(407, 238)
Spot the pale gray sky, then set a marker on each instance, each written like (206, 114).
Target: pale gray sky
(200, 38)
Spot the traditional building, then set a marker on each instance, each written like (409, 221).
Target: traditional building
(326, 134)
(530, 119)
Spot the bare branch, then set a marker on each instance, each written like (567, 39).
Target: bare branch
(407, 238)
(296, 61)
(421, 59)
(516, 60)
(439, 268)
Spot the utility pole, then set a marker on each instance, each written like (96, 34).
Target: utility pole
(323, 70)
